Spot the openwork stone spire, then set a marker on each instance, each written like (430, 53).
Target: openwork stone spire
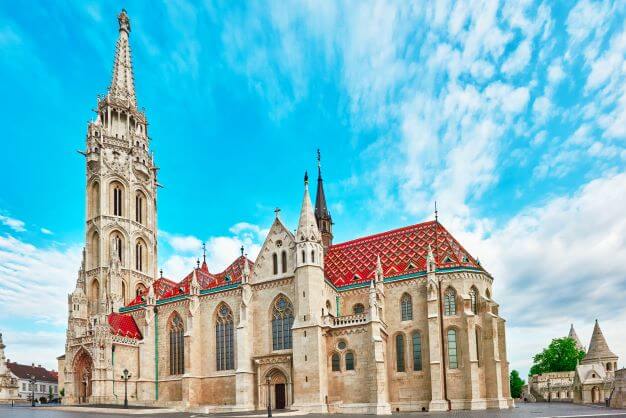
(123, 83)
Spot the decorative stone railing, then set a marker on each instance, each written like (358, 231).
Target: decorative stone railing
(345, 321)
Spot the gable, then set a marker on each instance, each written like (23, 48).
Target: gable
(279, 239)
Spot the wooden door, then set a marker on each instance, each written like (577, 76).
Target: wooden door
(279, 392)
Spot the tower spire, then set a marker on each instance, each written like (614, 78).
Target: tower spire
(598, 347)
(122, 83)
(572, 334)
(322, 216)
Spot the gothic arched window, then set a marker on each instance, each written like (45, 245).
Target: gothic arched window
(449, 302)
(117, 244)
(224, 339)
(349, 360)
(358, 309)
(335, 360)
(399, 353)
(417, 351)
(312, 256)
(177, 345)
(453, 360)
(303, 256)
(473, 294)
(406, 307)
(95, 250)
(124, 292)
(140, 255)
(140, 289)
(282, 320)
(94, 200)
(283, 260)
(275, 263)
(140, 207)
(117, 199)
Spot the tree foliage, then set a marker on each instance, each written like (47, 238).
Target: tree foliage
(517, 383)
(560, 356)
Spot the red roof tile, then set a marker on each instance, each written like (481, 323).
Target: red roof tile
(23, 371)
(125, 325)
(401, 251)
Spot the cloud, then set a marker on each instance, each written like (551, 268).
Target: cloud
(38, 347)
(559, 263)
(14, 224)
(46, 231)
(518, 60)
(221, 251)
(36, 280)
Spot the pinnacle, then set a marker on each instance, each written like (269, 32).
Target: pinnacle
(598, 347)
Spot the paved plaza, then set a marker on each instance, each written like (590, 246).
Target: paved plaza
(537, 410)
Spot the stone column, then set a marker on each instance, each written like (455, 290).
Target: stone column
(438, 402)
(244, 383)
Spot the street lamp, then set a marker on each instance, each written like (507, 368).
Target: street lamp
(269, 399)
(32, 380)
(125, 378)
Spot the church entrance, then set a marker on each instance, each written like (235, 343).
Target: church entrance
(83, 374)
(595, 395)
(279, 394)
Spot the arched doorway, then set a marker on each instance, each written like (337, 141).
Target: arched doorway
(83, 375)
(595, 395)
(279, 389)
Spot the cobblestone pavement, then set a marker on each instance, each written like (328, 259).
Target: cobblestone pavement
(537, 410)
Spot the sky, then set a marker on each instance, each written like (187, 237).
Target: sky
(511, 115)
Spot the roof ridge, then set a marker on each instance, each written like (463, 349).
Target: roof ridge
(384, 233)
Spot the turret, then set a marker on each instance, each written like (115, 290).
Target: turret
(322, 215)
(572, 334)
(599, 350)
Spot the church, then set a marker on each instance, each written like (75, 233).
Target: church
(403, 320)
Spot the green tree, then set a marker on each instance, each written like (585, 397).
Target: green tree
(516, 384)
(50, 392)
(560, 356)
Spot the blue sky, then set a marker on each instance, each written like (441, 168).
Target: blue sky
(511, 115)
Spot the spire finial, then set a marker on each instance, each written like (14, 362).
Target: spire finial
(436, 213)
(204, 252)
(161, 272)
(197, 263)
(276, 212)
(124, 21)
(306, 178)
(319, 163)
(241, 249)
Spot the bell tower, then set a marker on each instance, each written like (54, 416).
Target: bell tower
(121, 245)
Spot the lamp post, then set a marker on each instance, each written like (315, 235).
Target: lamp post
(32, 380)
(125, 378)
(269, 399)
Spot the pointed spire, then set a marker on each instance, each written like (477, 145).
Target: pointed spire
(307, 225)
(322, 215)
(598, 347)
(123, 83)
(572, 334)
(246, 270)
(379, 270)
(194, 286)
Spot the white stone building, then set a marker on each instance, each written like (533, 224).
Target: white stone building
(401, 320)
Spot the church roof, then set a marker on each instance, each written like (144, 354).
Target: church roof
(124, 325)
(402, 251)
(23, 371)
(598, 347)
(165, 288)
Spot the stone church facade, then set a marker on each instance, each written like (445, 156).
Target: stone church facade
(402, 320)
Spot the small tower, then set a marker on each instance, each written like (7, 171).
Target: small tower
(322, 216)
(309, 342)
(599, 351)
(572, 334)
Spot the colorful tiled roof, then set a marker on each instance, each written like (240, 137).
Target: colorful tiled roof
(166, 288)
(402, 251)
(124, 325)
(22, 371)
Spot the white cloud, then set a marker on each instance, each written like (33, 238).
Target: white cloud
(14, 224)
(557, 264)
(35, 281)
(182, 243)
(555, 73)
(542, 108)
(518, 60)
(46, 231)
(39, 347)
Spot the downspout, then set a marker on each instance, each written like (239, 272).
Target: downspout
(156, 354)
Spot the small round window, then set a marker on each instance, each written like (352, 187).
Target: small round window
(341, 345)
